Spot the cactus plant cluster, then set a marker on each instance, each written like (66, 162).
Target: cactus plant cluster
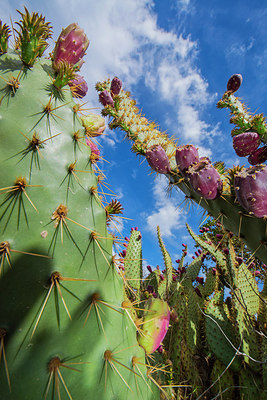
(235, 196)
(77, 320)
(216, 342)
(65, 331)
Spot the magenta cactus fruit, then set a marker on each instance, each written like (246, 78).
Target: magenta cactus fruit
(70, 46)
(205, 180)
(234, 83)
(259, 156)
(186, 156)
(95, 152)
(246, 143)
(116, 85)
(106, 99)
(78, 86)
(155, 324)
(251, 189)
(158, 159)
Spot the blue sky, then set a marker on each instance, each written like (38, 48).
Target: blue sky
(176, 57)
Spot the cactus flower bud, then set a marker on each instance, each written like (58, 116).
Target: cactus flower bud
(158, 159)
(116, 85)
(259, 156)
(106, 99)
(251, 189)
(70, 46)
(186, 156)
(78, 86)
(94, 124)
(149, 268)
(234, 83)
(246, 143)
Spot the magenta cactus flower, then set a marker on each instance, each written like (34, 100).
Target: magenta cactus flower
(234, 83)
(158, 159)
(116, 85)
(186, 156)
(246, 143)
(205, 180)
(106, 99)
(251, 189)
(70, 46)
(259, 156)
(78, 86)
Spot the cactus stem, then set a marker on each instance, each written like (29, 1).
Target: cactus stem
(3, 333)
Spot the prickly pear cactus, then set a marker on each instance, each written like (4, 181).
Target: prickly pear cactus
(216, 189)
(215, 344)
(64, 330)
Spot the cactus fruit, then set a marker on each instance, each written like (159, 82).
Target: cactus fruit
(186, 156)
(234, 83)
(70, 47)
(158, 159)
(259, 156)
(246, 143)
(78, 86)
(205, 179)
(115, 86)
(64, 333)
(106, 99)
(251, 189)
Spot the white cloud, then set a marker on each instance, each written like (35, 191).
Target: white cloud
(166, 213)
(125, 40)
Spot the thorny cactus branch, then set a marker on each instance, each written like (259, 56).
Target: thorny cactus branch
(211, 187)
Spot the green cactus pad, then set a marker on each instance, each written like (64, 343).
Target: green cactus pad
(63, 333)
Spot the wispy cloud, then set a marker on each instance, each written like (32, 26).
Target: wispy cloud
(126, 40)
